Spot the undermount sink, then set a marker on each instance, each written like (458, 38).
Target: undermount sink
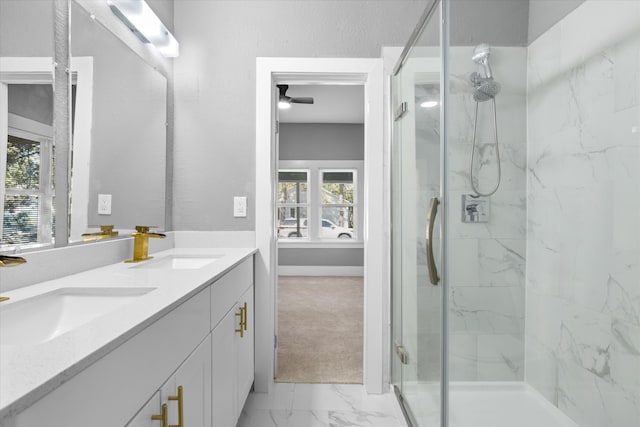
(180, 262)
(43, 317)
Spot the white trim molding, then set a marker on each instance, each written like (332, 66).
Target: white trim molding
(367, 72)
(320, 270)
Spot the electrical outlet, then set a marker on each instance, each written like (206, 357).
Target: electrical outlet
(240, 207)
(104, 204)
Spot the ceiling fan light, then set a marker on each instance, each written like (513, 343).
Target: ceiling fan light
(429, 104)
(283, 104)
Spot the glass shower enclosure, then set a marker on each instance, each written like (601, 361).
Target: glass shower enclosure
(515, 204)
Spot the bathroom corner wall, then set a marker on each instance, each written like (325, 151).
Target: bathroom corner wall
(583, 232)
(487, 260)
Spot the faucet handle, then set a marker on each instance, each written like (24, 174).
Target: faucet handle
(106, 228)
(142, 228)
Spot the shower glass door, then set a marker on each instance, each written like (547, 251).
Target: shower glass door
(416, 221)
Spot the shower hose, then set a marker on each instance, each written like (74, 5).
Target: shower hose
(473, 150)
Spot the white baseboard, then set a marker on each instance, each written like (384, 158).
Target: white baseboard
(320, 270)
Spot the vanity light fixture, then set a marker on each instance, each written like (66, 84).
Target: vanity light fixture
(145, 24)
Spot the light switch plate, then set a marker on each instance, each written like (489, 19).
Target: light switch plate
(240, 206)
(104, 204)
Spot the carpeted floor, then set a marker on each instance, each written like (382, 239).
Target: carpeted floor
(320, 329)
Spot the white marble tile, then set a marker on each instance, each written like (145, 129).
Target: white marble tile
(280, 397)
(501, 262)
(337, 397)
(500, 358)
(626, 58)
(463, 262)
(315, 405)
(283, 418)
(361, 419)
(487, 310)
(463, 357)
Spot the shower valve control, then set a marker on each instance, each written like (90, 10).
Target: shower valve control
(475, 208)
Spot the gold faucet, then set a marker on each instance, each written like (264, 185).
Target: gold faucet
(141, 243)
(11, 261)
(106, 232)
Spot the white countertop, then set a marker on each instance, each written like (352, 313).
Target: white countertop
(28, 372)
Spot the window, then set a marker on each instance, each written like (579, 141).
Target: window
(337, 204)
(27, 193)
(318, 202)
(293, 204)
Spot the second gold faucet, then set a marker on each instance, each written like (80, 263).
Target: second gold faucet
(141, 243)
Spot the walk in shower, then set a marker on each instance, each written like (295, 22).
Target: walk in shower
(516, 215)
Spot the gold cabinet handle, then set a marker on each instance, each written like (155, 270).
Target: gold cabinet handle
(162, 417)
(180, 400)
(431, 263)
(244, 320)
(241, 315)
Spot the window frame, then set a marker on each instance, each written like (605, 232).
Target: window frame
(353, 205)
(287, 205)
(314, 210)
(21, 127)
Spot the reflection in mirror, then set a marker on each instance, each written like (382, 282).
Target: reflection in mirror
(119, 132)
(27, 204)
(26, 123)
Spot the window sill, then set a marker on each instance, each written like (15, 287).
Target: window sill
(320, 244)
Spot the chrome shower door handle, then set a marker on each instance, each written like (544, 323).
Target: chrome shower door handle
(431, 262)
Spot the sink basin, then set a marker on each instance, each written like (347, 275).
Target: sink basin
(44, 317)
(180, 262)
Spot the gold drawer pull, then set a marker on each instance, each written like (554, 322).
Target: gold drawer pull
(241, 315)
(178, 397)
(244, 320)
(162, 417)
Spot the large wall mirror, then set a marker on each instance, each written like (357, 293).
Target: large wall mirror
(118, 121)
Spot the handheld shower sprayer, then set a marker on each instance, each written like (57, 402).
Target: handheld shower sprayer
(481, 56)
(485, 89)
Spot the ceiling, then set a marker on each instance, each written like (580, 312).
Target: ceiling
(332, 104)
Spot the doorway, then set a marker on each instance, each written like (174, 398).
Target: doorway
(368, 72)
(319, 212)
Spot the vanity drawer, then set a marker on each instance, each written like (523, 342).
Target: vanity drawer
(226, 291)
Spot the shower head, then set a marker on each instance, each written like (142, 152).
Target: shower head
(486, 90)
(481, 56)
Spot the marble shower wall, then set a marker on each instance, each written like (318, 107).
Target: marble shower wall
(487, 260)
(583, 201)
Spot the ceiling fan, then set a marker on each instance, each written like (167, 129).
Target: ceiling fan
(285, 101)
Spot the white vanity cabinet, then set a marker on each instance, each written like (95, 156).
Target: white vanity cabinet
(187, 394)
(193, 348)
(144, 417)
(232, 348)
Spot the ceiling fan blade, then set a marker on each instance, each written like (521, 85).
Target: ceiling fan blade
(302, 100)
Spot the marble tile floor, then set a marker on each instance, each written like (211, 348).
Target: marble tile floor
(320, 405)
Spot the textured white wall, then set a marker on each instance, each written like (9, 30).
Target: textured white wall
(215, 86)
(583, 238)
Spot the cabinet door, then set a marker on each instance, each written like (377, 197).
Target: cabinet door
(143, 418)
(193, 377)
(245, 349)
(224, 386)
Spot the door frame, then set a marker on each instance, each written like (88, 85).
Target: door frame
(334, 71)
